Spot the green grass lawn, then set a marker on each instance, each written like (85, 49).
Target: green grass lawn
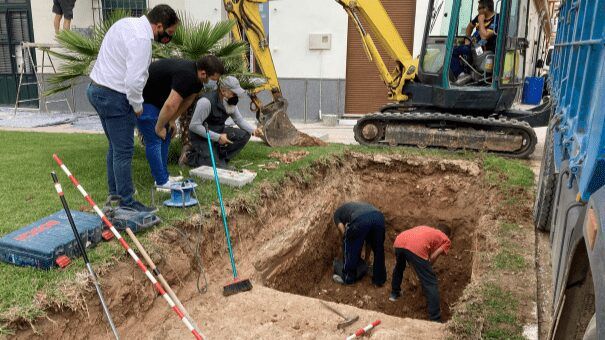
(28, 194)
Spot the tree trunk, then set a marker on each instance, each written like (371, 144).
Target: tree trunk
(184, 121)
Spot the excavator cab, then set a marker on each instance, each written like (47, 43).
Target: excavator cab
(492, 68)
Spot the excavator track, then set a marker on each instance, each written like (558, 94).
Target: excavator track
(507, 137)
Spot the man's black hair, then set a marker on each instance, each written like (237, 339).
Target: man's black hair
(163, 14)
(211, 64)
(444, 229)
(489, 4)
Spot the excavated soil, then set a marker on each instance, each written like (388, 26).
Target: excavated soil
(286, 245)
(408, 196)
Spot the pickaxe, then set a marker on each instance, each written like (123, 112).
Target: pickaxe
(347, 320)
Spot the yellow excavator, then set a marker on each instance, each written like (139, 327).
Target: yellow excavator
(428, 108)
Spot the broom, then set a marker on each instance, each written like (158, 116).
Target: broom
(238, 285)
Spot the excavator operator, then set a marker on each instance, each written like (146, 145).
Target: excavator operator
(480, 37)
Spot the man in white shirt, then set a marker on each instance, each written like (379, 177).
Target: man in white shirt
(214, 108)
(116, 91)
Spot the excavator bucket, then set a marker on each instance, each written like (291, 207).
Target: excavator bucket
(278, 130)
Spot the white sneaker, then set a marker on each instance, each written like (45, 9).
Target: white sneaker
(166, 186)
(175, 178)
(338, 279)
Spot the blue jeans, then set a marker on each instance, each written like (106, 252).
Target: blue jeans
(456, 65)
(118, 121)
(156, 149)
(425, 273)
(367, 228)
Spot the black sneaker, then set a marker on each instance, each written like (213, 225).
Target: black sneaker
(138, 206)
(394, 296)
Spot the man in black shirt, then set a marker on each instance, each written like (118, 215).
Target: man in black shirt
(360, 223)
(172, 86)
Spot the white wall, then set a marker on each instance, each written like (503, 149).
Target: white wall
(290, 24)
(199, 10)
(42, 18)
(205, 10)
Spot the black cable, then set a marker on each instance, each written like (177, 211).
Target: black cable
(199, 239)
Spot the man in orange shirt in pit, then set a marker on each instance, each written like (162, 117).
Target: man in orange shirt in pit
(421, 246)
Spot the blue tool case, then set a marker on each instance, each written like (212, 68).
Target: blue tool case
(42, 242)
(123, 218)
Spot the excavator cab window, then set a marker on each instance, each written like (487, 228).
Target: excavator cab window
(435, 49)
(454, 53)
(514, 44)
(473, 54)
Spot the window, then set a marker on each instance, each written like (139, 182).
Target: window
(136, 7)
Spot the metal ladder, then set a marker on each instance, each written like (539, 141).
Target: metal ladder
(39, 73)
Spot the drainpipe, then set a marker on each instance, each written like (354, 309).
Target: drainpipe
(320, 80)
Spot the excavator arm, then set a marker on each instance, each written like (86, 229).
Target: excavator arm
(381, 26)
(277, 128)
(246, 14)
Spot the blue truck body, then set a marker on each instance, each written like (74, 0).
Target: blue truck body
(571, 191)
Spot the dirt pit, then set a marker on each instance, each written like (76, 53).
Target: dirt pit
(300, 260)
(286, 244)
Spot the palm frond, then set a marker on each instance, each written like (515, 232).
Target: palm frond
(195, 40)
(101, 29)
(72, 71)
(65, 56)
(235, 64)
(161, 51)
(230, 49)
(57, 89)
(77, 43)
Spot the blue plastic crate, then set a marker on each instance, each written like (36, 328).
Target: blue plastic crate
(42, 242)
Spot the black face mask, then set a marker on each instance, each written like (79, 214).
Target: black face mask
(233, 100)
(163, 37)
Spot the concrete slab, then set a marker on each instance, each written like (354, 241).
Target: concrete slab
(320, 135)
(226, 177)
(347, 122)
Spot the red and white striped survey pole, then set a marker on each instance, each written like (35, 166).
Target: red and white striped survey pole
(360, 332)
(132, 254)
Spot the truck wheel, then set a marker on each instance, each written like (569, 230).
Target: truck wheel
(546, 187)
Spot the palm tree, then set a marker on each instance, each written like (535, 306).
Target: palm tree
(191, 41)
